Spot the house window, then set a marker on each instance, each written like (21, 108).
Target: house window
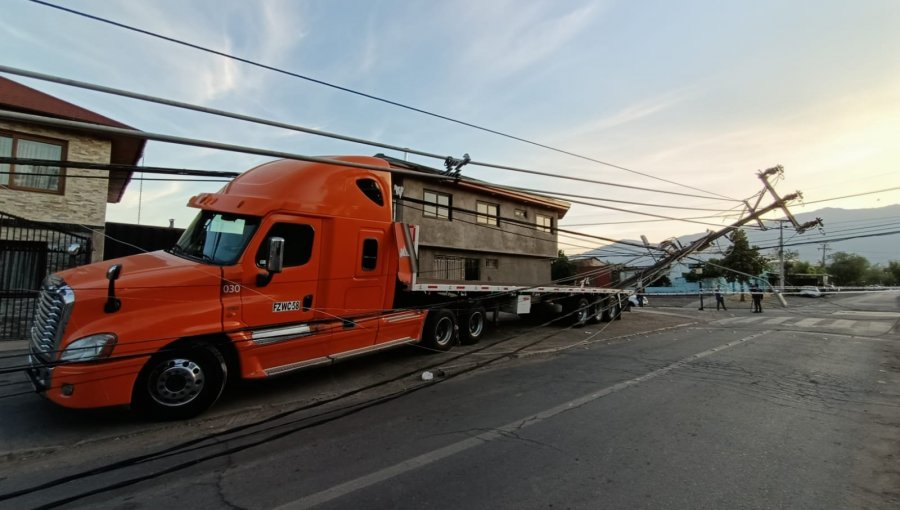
(448, 268)
(50, 179)
(491, 263)
(437, 205)
(456, 268)
(521, 214)
(488, 214)
(543, 223)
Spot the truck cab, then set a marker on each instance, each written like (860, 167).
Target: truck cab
(290, 265)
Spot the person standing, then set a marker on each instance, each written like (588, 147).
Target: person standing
(720, 299)
(756, 295)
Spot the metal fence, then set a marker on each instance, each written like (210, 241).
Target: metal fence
(29, 251)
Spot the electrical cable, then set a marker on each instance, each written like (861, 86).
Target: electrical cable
(294, 127)
(368, 96)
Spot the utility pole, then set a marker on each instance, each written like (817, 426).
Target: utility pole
(755, 213)
(781, 276)
(824, 249)
(781, 256)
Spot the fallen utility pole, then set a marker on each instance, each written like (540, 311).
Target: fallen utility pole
(676, 253)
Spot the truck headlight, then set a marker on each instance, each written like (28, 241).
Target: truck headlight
(90, 348)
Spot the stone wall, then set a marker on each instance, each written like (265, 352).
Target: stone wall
(84, 200)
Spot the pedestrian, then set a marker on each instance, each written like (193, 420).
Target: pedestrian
(756, 295)
(720, 299)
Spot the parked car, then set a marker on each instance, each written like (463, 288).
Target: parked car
(635, 300)
(810, 292)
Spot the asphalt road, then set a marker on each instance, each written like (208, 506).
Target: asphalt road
(668, 408)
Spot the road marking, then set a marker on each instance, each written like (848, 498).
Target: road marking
(805, 323)
(886, 315)
(776, 320)
(433, 456)
(842, 323)
(730, 320)
(747, 320)
(877, 327)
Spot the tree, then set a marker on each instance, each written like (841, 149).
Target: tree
(875, 275)
(848, 268)
(743, 261)
(793, 264)
(562, 268)
(893, 272)
(662, 281)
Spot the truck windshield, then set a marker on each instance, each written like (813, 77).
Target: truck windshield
(216, 238)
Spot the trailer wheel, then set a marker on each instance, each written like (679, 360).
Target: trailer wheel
(440, 330)
(617, 310)
(180, 383)
(471, 325)
(596, 312)
(581, 312)
(605, 310)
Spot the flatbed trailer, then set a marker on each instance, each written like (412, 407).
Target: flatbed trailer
(291, 265)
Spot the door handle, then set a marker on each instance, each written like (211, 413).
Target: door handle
(307, 302)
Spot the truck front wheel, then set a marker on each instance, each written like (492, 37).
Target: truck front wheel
(180, 383)
(440, 330)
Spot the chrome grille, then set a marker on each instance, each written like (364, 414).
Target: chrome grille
(50, 317)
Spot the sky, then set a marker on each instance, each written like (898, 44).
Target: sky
(690, 93)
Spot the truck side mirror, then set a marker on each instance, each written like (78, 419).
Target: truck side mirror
(113, 303)
(275, 262)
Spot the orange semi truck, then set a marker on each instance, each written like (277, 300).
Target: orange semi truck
(291, 265)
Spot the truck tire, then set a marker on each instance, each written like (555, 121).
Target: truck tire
(180, 383)
(471, 325)
(606, 310)
(617, 309)
(440, 330)
(596, 312)
(581, 312)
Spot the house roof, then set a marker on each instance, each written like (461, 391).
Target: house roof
(125, 150)
(560, 206)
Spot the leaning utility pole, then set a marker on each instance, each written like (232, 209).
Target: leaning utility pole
(755, 214)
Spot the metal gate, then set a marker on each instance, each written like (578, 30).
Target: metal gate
(29, 251)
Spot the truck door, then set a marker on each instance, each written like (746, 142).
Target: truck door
(279, 312)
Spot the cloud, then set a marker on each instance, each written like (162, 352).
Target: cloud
(506, 37)
(648, 107)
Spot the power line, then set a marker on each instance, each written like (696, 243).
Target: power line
(212, 174)
(852, 196)
(71, 124)
(820, 241)
(366, 95)
(316, 132)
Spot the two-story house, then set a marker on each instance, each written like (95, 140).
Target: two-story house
(474, 231)
(51, 216)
